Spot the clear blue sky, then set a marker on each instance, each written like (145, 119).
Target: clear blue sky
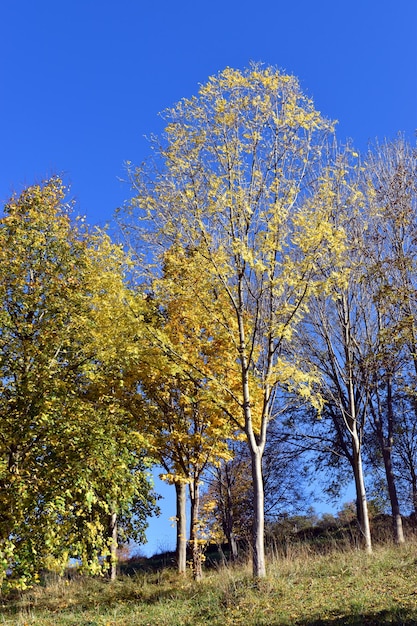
(82, 81)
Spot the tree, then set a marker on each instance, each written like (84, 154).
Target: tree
(334, 344)
(233, 180)
(390, 176)
(188, 426)
(228, 500)
(66, 460)
(338, 334)
(359, 336)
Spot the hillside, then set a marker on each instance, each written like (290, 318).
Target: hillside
(302, 588)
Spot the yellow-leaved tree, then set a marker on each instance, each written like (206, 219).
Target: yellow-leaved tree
(188, 354)
(235, 178)
(69, 459)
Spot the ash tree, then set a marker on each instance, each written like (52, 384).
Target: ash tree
(237, 177)
(391, 182)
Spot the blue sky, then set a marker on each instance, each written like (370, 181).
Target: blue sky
(82, 81)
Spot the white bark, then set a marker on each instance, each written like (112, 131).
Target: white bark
(361, 499)
(258, 540)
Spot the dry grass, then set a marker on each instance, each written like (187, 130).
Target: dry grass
(302, 588)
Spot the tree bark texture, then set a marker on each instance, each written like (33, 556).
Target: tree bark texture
(194, 537)
(258, 547)
(361, 500)
(386, 443)
(181, 547)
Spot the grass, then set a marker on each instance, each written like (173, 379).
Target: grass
(301, 588)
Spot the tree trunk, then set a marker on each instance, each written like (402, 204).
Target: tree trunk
(414, 489)
(256, 446)
(410, 464)
(181, 548)
(233, 546)
(258, 536)
(392, 492)
(194, 538)
(361, 500)
(113, 546)
(386, 444)
(355, 427)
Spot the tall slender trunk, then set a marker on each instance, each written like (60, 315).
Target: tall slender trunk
(386, 444)
(414, 490)
(392, 493)
(181, 548)
(355, 428)
(113, 545)
(410, 463)
(413, 352)
(258, 529)
(361, 500)
(258, 533)
(256, 446)
(194, 536)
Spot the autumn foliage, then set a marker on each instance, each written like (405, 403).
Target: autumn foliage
(265, 293)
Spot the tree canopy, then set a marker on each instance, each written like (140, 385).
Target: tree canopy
(238, 178)
(68, 449)
(267, 274)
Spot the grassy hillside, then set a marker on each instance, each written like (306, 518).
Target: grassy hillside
(343, 587)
